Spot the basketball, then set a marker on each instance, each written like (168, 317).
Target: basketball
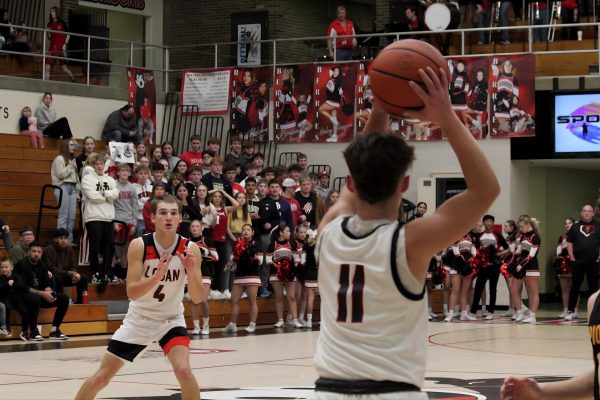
(398, 64)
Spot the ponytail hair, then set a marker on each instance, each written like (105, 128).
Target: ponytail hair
(276, 231)
(533, 222)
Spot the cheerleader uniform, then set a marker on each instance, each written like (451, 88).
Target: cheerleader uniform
(528, 245)
(288, 109)
(508, 86)
(278, 252)
(333, 95)
(209, 257)
(458, 91)
(463, 250)
(241, 107)
(561, 251)
(309, 272)
(247, 271)
(478, 97)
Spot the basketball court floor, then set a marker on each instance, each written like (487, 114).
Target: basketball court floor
(467, 360)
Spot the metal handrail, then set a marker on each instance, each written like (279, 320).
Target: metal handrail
(43, 205)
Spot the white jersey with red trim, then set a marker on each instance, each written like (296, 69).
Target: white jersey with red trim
(373, 312)
(164, 300)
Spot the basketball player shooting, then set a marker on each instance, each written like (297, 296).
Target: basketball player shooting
(372, 269)
(156, 277)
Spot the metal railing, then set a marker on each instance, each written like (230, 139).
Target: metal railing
(277, 51)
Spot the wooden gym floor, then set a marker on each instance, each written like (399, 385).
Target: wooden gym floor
(466, 361)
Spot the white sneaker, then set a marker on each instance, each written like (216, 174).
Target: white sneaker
(564, 313)
(530, 319)
(230, 328)
(244, 295)
(449, 317)
(508, 314)
(302, 321)
(289, 322)
(226, 295)
(279, 324)
(332, 139)
(4, 332)
(297, 324)
(467, 316)
(520, 316)
(429, 317)
(432, 314)
(214, 295)
(205, 330)
(196, 331)
(570, 316)
(186, 297)
(251, 327)
(488, 316)
(308, 324)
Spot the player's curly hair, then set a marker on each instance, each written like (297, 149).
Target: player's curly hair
(377, 162)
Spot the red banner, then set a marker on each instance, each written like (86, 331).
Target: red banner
(142, 96)
(512, 95)
(250, 103)
(294, 105)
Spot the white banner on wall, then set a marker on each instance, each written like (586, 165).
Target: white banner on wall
(209, 90)
(248, 53)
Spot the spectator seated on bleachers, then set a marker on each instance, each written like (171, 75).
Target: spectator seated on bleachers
(28, 126)
(6, 238)
(19, 250)
(61, 260)
(36, 277)
(47, 121)
(12, 295)
(120, 126)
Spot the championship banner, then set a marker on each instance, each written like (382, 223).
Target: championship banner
(334, 93)
(209, 90)
(364, 95)
(512, 99)
(250, 103)
(142, 96)
(294, 105)
(469, 93)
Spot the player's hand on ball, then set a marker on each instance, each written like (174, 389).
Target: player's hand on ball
(434, 96)
(520, 389)
(163, 267)
(188, 260)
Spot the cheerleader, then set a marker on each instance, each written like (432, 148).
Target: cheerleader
(477, 104)
(562, 267)
(209, 257)
(300, 234)
(288, 105)
(431, 271)
(307, 273)
(333, 96)
(507, 87)
(245, 258)
(459, 86)
(243, 103)
(525, 269)
(282, 259)
(461, 274)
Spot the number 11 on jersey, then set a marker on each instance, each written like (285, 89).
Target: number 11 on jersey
(356, 293)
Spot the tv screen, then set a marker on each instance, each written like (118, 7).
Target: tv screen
(577, 124)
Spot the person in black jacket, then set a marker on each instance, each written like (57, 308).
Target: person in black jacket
(36, 277)
(268, 218)
(12, 295)
(215, 179)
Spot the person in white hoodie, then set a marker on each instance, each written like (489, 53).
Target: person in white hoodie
(99, 192)
(64, 175)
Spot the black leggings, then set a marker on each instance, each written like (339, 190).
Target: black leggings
(100, 235)
(59, 128)
(60, 281)
(220, 279)
(491, 273)
(579, 271)
(61, 303)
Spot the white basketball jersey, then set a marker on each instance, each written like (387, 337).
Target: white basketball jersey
(373, 327)
(164, 301)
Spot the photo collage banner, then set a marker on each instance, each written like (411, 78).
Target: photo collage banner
(328, 103)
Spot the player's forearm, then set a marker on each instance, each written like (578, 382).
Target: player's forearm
(479, 175)
(195, 287)
(579, 387)
(136, 290)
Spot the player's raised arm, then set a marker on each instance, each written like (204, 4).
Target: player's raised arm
(426, 236)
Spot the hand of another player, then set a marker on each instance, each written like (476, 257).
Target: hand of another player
(47, 296)
(188, 260)
(515, 388)
(435, 97)
(162, 268)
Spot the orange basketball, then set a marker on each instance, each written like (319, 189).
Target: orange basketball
(395, 66)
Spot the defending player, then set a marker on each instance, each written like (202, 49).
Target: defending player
(158, 264)
(373, 341)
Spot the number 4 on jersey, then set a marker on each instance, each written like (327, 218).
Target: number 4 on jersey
(158, 293)
(356, 293)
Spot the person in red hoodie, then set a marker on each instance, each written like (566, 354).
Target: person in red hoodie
(145, 124)
(158, 190)
(193, 156)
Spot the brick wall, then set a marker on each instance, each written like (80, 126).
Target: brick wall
(192, 22)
